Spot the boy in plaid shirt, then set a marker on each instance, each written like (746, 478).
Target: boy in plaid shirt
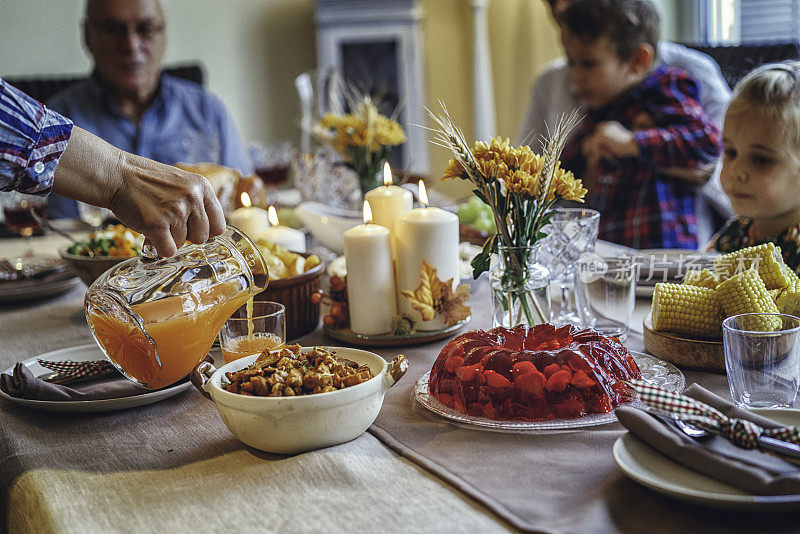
(645, 136)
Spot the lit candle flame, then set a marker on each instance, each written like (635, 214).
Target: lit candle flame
(367, 213)
(387, 174)
(246, 200)
(272, 215)
(423, 195)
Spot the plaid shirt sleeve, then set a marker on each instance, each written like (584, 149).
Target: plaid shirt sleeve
(32, 139)
(691, 139)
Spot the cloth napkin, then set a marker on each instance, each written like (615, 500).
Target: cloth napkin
(24, 384)
(751, 470)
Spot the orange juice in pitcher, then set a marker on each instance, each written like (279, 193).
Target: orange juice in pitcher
(155, 319)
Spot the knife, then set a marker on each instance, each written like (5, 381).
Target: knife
(779, 446)
(765, 443)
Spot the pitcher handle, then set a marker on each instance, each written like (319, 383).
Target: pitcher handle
(200, 376)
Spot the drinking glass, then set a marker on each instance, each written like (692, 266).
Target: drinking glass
(17, 208)
(570, 233)
(248, 332)
(272, 164)
(92, 215)
(605, 293)
(763, 367)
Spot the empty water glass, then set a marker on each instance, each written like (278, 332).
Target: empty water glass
(570, 233)
(605, 292)
(763, 367)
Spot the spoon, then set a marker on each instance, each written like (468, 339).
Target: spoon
(690, 430)
(44, 223)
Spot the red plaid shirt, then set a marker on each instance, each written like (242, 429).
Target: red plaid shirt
(641, 207)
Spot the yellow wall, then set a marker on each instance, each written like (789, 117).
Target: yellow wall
(522, 39)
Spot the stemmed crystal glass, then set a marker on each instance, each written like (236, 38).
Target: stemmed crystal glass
(17, 208)
(570, 233)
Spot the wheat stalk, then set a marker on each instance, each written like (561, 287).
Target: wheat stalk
(450, 137)
(552, 151)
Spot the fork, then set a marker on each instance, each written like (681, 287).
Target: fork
(764, 442)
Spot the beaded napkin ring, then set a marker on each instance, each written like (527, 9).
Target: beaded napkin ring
(740, 432)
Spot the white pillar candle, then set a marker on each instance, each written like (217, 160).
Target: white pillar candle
(370, 277)
(388, 202)
(249, 219)
(294, 240)
(425, 234)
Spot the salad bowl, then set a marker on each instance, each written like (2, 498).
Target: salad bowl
(89, 268)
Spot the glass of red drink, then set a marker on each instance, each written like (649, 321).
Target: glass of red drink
(18, 210)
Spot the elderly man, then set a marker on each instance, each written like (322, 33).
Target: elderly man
(131, 104)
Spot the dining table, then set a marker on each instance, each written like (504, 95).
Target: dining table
(173, 466)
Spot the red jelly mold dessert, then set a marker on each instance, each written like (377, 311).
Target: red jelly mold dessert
(532, 374)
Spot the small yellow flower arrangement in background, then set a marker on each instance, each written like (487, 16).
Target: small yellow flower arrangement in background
(364, 139)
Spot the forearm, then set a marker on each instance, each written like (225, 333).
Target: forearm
(696, 177)
(690, 146)
(88, 170)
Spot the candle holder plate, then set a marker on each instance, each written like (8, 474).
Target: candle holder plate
(346, 335)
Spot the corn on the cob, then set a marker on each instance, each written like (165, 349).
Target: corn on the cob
(788, 302)
(746, 293)
(794, 280)
(774, 293)
(765, 258)
(704, 278)
(686, 309)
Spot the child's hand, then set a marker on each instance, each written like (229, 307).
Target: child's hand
(610, 139)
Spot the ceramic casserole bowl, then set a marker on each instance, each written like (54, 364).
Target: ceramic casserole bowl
(291, 425)
(89, 268)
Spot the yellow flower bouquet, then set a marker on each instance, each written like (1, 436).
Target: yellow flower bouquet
(521, 187)
(364, 139)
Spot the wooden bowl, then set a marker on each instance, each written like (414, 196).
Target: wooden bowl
(89, 268)
(697, 353)
(294, 293)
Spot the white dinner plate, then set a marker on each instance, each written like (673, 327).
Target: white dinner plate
(645, 292)
(657, 472)
(670, 265)
(84, 353)
(27, 290)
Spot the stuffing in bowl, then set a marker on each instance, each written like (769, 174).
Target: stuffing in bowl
(299, 423)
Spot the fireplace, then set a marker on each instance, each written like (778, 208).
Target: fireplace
(376, 47)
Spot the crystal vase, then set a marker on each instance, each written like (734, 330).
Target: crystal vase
(520, 287)
(370, 175)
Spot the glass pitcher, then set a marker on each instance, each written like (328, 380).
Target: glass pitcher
(156, 318)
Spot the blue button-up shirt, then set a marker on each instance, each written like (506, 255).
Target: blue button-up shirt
(32, 139)
(185, 123)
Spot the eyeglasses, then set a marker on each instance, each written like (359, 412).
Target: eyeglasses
(112, 29)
